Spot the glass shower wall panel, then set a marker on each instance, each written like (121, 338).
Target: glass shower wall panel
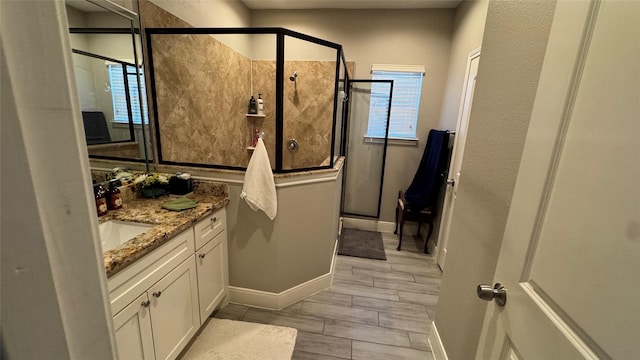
(203, 85)
(309, 99)
(365, 159)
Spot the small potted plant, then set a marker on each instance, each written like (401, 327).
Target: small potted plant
(153, 185)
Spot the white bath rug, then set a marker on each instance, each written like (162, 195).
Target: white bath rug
(224, 339)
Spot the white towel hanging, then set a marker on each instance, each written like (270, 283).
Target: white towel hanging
(259, 189)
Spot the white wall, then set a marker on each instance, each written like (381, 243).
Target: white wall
(513, 49)
(54, 301)
(419, 36)
(213, 13)
(469, 28)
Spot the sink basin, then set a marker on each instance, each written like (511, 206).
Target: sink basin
(114, 233)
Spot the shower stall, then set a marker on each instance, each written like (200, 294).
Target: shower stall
(202, 80)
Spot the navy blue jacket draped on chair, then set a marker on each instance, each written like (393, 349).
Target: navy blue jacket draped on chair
(419, 201)
(424, 188)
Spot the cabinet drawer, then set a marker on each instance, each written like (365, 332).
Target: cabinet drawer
(209, 227)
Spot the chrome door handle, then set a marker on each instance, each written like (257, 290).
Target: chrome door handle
(497, 292)
(451, 182)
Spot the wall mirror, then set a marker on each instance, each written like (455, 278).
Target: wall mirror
(107, 61)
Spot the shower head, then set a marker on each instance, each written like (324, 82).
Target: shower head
(294, 76)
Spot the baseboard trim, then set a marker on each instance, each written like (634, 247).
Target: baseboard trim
(278, 301)
(437, 348)
(377, 225)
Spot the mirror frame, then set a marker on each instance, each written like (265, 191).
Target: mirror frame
(133, 30)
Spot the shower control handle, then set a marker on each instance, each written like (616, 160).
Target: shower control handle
(292, 145)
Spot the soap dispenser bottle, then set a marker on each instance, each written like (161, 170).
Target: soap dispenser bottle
(100, 195)
(115, 197)
(253, 109)
(260, 105)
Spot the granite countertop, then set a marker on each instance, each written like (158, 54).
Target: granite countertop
(168, 223)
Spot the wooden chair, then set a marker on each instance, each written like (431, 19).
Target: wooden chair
(405, 213)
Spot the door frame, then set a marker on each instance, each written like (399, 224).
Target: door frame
(448, 204)
(345, 136)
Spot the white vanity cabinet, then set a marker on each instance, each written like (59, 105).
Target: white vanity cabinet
(160, 301)
(132, 325)
(211, 258)
(160, 323)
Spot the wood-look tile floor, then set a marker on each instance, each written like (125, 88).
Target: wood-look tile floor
(374, 309)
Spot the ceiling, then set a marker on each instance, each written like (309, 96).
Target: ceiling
(349, 4)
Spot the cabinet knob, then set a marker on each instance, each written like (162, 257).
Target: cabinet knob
(146, 303)
(214, 219)
(156, 294)
(202, 255)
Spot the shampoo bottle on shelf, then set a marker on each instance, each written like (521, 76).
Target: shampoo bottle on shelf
(253, 109)
(260, 105)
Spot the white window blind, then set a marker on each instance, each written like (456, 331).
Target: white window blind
(119, 96)
(405, 101)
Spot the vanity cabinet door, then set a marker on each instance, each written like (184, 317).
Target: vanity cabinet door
(212, 274)
(132, 324)
(174, 310)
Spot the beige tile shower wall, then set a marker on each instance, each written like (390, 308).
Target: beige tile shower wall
(308, 109)
(308, 112)
(202, 89)
(264, 82)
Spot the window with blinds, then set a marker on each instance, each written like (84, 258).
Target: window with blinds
(119, 93)
(405, 101)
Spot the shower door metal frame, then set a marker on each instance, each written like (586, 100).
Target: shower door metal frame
(345, 138)
(280, 34)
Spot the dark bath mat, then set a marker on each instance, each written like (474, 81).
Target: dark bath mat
(361, 243)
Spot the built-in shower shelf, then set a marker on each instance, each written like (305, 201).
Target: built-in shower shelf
(255, 115)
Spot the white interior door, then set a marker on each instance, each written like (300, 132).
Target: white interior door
(570, 254)
(456, 158)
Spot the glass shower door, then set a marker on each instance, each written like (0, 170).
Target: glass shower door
(366, 148)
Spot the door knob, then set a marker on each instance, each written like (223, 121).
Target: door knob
(498, 292)
(451, 182)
